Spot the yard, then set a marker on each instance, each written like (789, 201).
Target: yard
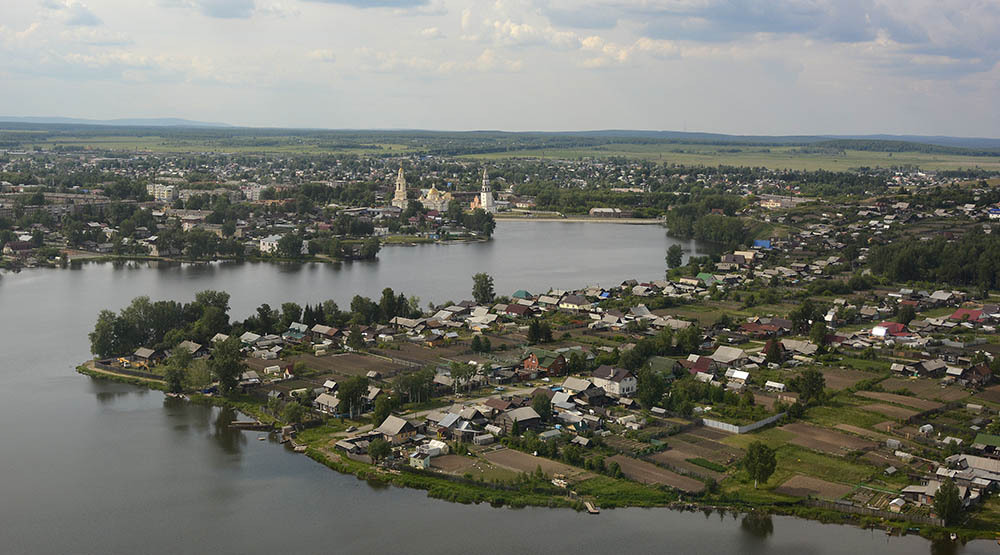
(904, 400)
(891, 411)
(808, 486)
(648, 473)
(827, 441)
(523, 462)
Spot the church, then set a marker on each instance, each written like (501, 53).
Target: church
(485, 198)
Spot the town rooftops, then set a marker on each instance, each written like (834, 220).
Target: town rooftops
(393, 425)
(610, 373)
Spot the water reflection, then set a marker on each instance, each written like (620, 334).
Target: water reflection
(757, 524)
(230, 440)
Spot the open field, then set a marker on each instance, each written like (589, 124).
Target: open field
(648, 473)
(838, 379)
(926, 388)
(677, 458)
(349, 364)
(990, 394)
(827, 441)
(913, 402)
(775, 157)
(705, 448)
(459, 465)
(523, 462)
(890, 411)
(806, 486)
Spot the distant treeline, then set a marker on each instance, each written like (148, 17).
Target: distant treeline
(901, 146)
(971, 260)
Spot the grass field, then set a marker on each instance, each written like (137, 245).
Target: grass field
(775, 157)
(767, 156)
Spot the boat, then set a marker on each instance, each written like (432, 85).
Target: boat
(592, 509)
(261, 438)
(953, 536)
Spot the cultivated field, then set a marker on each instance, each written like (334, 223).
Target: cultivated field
(349, 364)
(648, 473)
(928, 389)
(805, 486)
(913, 402)
(523, 462)
(677, 459)
(890, 411)
(827, 441)
(838, 378)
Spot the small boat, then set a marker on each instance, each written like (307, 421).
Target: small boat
(954, 536)
(261, 438)
(592, 509)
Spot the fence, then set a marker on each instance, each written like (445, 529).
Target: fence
(854, 509)
(734, 429)
(118, 370)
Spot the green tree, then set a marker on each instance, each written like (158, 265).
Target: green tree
(379, 450)
(759, 462)
(176, 365)
(461, 374)
(810, 385)
(482, 288)
(290, 246)
(103, 341)
(675, 255)
(370, 248)
(773, 352)
(476, 344)
(947, 503)
(355, 340)
(351, 394)
(817, 333)
(543, 406)
(906, 315)
(293, 413)
(649, 387)
(227, 364)
(384, 406)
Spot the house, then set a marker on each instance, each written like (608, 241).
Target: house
(729, 356)
(396, 430)
(979, 375)
(420, 460)
(543, 361)
(617, 382)
(966, 315)
(197, 350)
(147, 355)
(575, 302)
(269, 244)
(326, 403)
(576, 385)
(525, 417)
(320, 332)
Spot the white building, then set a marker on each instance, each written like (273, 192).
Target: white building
(269, 244)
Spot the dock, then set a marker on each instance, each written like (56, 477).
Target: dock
(591, 508)
(256, 426)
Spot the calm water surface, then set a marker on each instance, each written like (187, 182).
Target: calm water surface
(94, 467)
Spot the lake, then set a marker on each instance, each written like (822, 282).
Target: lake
(89, 466)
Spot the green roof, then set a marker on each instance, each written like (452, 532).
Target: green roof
(662, 364)
(987, 439)
(545, 358)
(706, 277)
(521, 294)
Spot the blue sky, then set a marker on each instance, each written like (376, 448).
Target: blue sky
(730, 66)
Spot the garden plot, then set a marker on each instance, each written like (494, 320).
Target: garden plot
(824, 440)
(890, 410)
(929, 389)
(840, 378)
(807, 486)
(648, 473)
(914, 402)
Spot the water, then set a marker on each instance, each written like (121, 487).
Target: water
(88, 466)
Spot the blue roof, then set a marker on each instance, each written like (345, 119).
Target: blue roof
(764, 243)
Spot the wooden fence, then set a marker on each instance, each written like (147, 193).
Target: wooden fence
(854, 509)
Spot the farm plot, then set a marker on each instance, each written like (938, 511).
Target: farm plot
(349, 364)
(929, 389)
(840, 378)
(707, 449)
(890, 411)
(648, 473)
(458, 465)
(904, 400)
(678, 459)
(827, 441)
(523, 462)
(806, 486)
(991, 394)
(862, 432)
(421, 355)
(708, 433)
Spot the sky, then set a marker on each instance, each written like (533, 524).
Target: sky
(928, 67)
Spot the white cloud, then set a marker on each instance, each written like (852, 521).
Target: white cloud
(72, 12)
(431, 33)
(322, 55)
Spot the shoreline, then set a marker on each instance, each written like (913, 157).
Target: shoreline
(466, 491)
(581, 220)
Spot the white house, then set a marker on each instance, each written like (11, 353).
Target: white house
(617, 382)
(269, 244)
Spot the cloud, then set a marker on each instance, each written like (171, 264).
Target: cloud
(431, 33)
(364, 4)
(322, 55)
(72, 12)
(221, 9)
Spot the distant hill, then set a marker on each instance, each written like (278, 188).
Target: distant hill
(124, 122)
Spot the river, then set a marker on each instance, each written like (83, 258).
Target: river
(88, 466)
